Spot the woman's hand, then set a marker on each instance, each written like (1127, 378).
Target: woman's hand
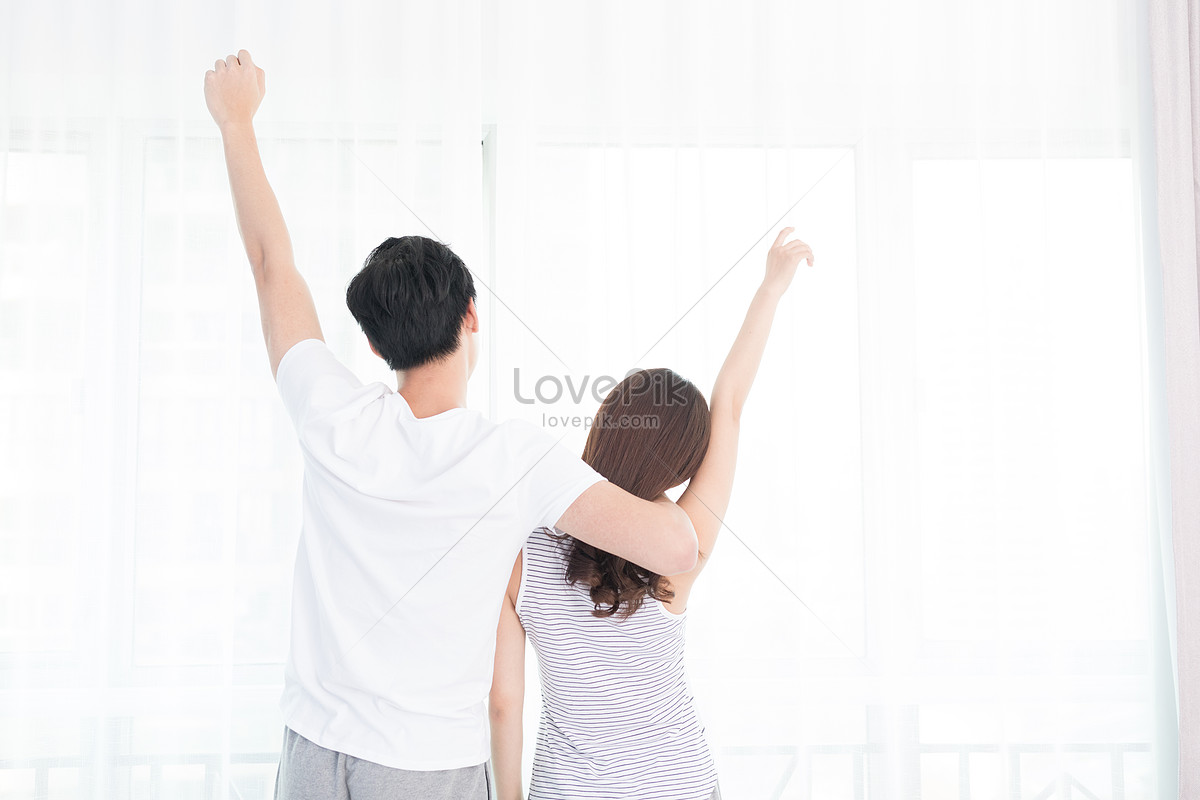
(782, 261)
(233, 88)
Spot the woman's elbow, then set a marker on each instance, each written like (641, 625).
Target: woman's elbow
(503, 707)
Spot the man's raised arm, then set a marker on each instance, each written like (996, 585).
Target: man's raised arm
(233, 90)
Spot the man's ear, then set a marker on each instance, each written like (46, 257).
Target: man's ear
(373, 350)
(471, 318)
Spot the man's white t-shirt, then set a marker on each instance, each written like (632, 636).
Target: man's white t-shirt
(410, 530)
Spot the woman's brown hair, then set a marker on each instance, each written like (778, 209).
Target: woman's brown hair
(650, 434)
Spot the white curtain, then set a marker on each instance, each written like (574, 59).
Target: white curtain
(1172, 115)
(936, 578)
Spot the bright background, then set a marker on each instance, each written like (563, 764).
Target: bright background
(939, 577)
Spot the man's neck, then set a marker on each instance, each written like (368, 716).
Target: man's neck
(433, 388)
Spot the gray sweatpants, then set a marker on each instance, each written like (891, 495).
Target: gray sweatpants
(308, 771)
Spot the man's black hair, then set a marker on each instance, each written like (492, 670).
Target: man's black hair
(410, 299)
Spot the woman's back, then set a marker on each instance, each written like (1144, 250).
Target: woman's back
(617, 714)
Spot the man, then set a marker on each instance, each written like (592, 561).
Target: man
(414, 507)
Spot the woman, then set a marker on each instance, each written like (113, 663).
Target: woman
(617, 717)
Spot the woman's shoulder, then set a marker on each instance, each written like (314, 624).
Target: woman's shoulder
(545, 555)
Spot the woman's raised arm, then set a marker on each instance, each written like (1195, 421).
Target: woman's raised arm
(707, 496)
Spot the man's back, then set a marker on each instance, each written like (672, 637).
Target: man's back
(397, 586)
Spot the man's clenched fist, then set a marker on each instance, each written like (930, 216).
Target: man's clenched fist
(233, 88)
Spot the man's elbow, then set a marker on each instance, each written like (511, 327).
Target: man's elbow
(688, 557)
(685, 549)
(258, 264)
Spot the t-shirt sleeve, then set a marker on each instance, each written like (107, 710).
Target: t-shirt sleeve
(555, 481)
(314, 385)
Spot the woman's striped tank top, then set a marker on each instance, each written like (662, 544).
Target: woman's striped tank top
(617, 714)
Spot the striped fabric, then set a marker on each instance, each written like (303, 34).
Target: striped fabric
(617, 716)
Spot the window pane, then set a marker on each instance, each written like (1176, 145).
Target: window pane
(1028, 334)
(42, 303)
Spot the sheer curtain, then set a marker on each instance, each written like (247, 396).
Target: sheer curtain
(1171, 112)
(936, 578)
(150, 478)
